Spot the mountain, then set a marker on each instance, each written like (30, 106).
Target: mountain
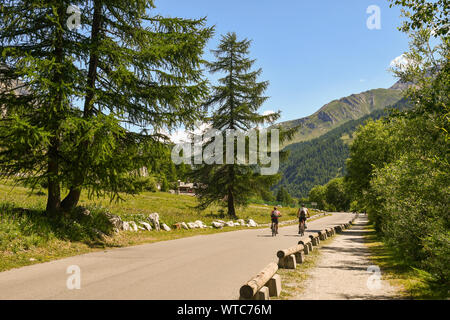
(337, 112)
(317, 161)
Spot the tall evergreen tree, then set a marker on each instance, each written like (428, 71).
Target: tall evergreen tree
(236, 99)
(128, 69)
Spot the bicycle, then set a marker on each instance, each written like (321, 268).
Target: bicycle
(301, 228)
(273, 227)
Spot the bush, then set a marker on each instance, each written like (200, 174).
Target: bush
(412, 212)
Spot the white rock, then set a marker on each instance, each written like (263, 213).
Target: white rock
(237, 224)
(146, 225)
(217, 225)
(133, 226)
(142, 228)
(165, 227)
(126, 226)
(154, 219)
(241, 222)
(115, 220)
(201, 224)
(230, 224)
(252, 223)
(192, 225)
(184, 226)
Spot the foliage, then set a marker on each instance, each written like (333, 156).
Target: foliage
(399, 168)
(284, 197)
(72, 96)
(333, 196)
(237, 98)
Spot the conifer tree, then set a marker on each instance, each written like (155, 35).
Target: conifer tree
(236, 100)
(82, 91)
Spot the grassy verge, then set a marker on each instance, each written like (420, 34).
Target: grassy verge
(293, 281)
(413, 283)
(27, 236)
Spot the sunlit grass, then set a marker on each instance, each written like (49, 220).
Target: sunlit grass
(27, 236)
(413, 283)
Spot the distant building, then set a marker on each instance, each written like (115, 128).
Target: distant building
(187, 188)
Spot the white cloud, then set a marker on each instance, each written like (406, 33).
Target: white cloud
(268, 112)
(401, 62)
(182, 135)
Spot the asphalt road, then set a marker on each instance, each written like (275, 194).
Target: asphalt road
(197, 268)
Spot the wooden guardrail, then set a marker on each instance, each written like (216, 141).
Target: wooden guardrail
(263, 285)
(290, 257)
(267, 283)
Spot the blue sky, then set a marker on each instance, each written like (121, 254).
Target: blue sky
(312, 52)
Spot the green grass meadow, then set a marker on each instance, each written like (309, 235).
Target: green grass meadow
(28, 236)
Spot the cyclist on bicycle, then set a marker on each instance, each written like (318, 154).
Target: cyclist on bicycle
(274, 216)
(302, 215)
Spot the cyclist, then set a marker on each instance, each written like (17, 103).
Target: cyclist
(302, 215)
(274, 216)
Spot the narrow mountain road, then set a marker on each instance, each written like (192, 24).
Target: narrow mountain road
(341, 272)
(199, 268)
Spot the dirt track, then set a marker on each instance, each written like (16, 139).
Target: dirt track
(341, 270)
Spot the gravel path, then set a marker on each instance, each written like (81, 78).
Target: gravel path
(342, 273)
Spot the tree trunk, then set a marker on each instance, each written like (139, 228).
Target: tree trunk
(231, 210)
(72, 199)
(54, 188)
(54, 192)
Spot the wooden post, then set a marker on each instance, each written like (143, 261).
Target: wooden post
(288, 262)
(249, 289)
(287, 252)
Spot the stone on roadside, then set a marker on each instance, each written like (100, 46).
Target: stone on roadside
(230, 224)
(133, 226)
(146, 225)
(252, 223)
(154, 219)
(217, 225)
(192, 225)
(126, 226)
(115, 220)
(184, 226)
(201, 224)
(166, 227)
(241, 222)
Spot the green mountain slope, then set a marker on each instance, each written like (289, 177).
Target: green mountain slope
(337, 112)
(317, 161)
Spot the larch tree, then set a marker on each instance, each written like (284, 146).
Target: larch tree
(93, 99)
(235, 102)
